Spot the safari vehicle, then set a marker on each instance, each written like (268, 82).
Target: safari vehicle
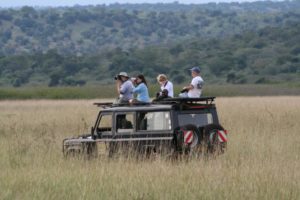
(173, 126)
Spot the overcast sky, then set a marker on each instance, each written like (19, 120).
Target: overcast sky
(18, 3)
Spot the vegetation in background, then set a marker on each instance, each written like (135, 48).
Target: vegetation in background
(109, 92)
(85, 30)
(271, 55)
(234, 43)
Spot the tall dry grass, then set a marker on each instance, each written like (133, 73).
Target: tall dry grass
(262, 160)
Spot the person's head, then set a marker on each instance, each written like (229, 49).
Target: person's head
(161, 79)
(195, 71)
(123, 76)
(141, 79)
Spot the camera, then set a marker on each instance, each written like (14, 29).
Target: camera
(157, 94)
(117, 77)
(133, 80)
(184, 90)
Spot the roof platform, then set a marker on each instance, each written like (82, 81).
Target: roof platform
(111, 104)
(169, 101)
(206, 100)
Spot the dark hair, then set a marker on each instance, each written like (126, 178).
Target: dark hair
(141, 76)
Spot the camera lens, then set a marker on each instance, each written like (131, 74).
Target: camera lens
(184, 90)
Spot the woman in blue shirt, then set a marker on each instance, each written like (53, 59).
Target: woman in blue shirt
(141, 90)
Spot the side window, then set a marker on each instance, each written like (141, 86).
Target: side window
(124, 122)
(153, 121)
(105, 123)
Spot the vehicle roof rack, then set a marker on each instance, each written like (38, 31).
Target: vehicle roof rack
(103, 104)
(111, 104)
(173, 101)
(179, 100)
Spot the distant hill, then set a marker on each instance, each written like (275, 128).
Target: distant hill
(91, 29)
(233, 43)
(270, 55)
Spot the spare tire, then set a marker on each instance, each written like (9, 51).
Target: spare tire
(187, 138)
(195, 137)
(211, 139)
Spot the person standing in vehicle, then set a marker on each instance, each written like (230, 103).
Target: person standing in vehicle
(124, 87)
(141, 90)
(165, 84)
(194, 90)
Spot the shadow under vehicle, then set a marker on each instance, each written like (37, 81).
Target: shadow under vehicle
(171, 126)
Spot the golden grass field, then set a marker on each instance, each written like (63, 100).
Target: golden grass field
(262, 160)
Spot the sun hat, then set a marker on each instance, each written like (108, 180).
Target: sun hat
(195, 69)
(123, 74)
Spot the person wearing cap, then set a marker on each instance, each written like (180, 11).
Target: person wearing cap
(165, 84)
(194, 90)
(124, 87)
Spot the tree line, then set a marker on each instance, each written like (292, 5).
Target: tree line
(234, 43)
(269, 55)
(84, 30)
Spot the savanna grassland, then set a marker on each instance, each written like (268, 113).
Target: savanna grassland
(262, 160)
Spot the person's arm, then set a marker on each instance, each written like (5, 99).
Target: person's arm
(137, 89)
(190, 87)
(124, 88)
(170, 89)
(118, 86)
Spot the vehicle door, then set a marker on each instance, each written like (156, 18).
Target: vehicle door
(104, 125)
(124, 125)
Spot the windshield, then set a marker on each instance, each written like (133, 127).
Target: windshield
(199, 120)
(106, 121)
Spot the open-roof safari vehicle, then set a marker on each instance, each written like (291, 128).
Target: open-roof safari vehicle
(172, 126)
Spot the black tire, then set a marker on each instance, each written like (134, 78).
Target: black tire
(211, 139)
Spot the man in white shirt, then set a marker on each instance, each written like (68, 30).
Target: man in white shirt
(195, 88)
